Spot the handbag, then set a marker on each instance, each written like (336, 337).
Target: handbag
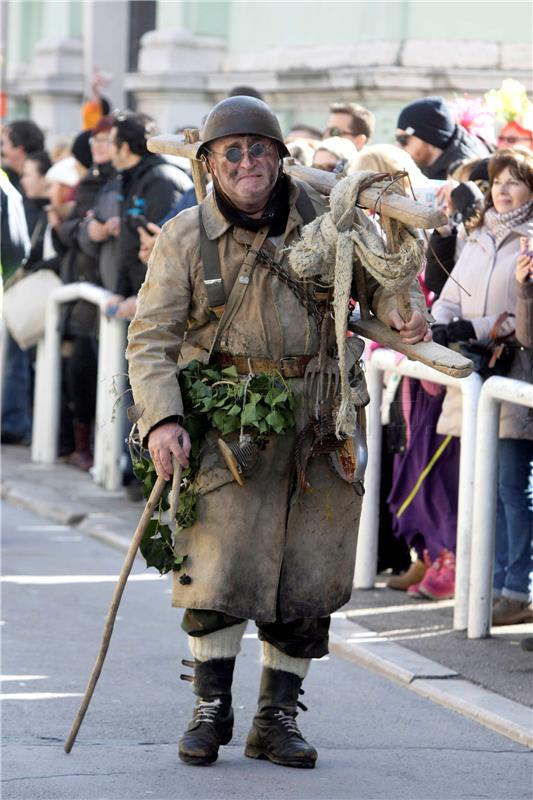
(25, 306)
(492, 356)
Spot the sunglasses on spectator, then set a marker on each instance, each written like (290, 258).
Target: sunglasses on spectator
(235, 154)
(402, 138)
(514, 139)
(337, 132)
(337, 168)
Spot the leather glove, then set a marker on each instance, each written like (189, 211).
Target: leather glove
(440, 335)
(460, 330)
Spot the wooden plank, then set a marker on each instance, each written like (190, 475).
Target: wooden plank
(434, 355)
(198, 174)
(401, 208)
(171, 145)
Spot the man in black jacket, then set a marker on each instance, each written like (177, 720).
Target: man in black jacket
(427, 131)
(18, 140)
(150, 187)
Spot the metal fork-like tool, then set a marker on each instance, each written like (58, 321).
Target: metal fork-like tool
(322, 377)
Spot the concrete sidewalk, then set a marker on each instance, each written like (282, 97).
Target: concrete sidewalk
(410, 641)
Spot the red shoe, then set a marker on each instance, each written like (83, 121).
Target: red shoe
(412, 590)
(439, 581)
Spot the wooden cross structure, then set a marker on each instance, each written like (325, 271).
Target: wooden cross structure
(394, 209)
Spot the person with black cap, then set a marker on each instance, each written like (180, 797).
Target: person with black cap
(220, 279)
(427, 131)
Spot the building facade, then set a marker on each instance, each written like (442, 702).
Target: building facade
(175, 58)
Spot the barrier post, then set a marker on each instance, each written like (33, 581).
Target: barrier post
(46, 394)
(494, 390)
(366, 561)
(465, 500)
(108, 433)
(367, 541)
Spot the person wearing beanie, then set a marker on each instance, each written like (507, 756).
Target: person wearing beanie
(81, 149)
(427, 131)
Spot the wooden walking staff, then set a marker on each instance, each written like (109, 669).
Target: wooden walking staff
(149, 509)
(394, 209)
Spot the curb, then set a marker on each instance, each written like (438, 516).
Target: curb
(43, 504)
(101, 526)
(430, 680)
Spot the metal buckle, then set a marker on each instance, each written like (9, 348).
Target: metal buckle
(288, 362)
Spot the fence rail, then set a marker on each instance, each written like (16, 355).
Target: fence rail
(367, 545)
(110, 385)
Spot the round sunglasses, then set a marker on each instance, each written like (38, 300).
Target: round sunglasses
(235, 154)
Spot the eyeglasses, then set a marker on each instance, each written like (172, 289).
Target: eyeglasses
(402, 138)
(235, 154)
(337, 168)
(99, 140)
(514, 139)
(337, 132)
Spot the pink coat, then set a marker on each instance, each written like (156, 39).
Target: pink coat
(486, 274)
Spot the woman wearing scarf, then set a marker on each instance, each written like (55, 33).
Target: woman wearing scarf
(479, 303)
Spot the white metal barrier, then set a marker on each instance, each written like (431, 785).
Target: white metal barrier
(367, 545)
(493, 392)
(111, 380)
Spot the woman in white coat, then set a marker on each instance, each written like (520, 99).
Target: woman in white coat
(479, 301)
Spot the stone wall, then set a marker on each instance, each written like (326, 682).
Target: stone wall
(181, 76)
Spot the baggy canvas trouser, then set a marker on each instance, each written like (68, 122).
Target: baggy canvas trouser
(300, 638)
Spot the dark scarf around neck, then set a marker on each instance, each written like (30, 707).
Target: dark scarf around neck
(275, 215)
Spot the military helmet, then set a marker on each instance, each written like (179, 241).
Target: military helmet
(241, 115)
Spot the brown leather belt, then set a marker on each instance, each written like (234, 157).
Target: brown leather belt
(289, 367)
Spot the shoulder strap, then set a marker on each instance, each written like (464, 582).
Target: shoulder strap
(239, 287)
(216, 296)
(304, 206)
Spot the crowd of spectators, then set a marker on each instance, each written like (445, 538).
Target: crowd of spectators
(93, 214)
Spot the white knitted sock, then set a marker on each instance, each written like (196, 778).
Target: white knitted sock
(225, 643)
(275, 659)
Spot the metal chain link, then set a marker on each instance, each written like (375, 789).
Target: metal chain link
(297, 288)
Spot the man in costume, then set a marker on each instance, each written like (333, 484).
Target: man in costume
(219, 282)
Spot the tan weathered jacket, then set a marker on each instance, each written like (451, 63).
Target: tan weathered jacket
(257, 546)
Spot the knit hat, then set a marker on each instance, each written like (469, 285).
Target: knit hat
(64, 171)
(81, 149)
(430, 119)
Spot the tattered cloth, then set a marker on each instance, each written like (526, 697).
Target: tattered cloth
(327, 249)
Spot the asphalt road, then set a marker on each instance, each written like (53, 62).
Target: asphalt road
(375, 739)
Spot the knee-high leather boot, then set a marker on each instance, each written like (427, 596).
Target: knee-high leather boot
(212, 720)
(274, 734)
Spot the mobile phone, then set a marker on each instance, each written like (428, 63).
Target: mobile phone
(526, 249)
(140, 221)
(526, 246)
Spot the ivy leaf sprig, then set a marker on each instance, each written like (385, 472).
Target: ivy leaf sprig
(217, 398)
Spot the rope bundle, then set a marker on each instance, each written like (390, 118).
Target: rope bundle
(327, 249)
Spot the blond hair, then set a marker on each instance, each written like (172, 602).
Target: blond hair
(388, 158)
